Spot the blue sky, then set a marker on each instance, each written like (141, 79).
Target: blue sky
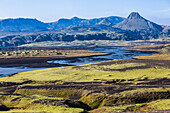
(51, 10)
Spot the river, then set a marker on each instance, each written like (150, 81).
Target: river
(115, 53)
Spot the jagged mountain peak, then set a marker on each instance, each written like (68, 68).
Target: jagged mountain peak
(135, 22)
(134, 15)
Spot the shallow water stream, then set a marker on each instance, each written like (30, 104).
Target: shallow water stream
(115, 53)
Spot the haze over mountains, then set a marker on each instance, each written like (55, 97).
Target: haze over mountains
(16, 32)
(33, 25)
(75, 21)
(22, 25)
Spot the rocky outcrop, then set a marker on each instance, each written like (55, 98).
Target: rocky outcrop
(4, 108)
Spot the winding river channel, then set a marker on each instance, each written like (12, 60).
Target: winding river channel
(114, 53)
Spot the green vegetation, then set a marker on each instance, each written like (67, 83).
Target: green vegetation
(93, 100)
(161, 104)
(163, 52)
(110, 86)
(64, 92)
(125, 86)
(155, 57)
(137, 96)
(87, 73)
(37, 103)
(113, 66)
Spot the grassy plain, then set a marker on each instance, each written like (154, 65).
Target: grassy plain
(90, 73)
(110, 86)
(163, 51)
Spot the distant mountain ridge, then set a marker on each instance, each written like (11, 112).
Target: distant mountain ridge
(15, 32)
(34, 25)
(134, 22)
(75, 21)
(22, 25)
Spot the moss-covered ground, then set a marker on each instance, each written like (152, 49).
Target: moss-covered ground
(163, 51)
(110, 86)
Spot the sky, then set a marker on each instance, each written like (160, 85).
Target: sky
(51, 10)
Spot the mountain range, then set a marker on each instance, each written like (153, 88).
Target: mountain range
(14, 32)
(22, 25)
(34, 25)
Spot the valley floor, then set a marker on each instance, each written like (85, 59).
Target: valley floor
(105, 87)
(39, 57)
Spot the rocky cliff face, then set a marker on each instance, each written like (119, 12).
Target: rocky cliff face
(16, 40)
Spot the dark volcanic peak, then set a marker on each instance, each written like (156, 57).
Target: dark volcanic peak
(135, 22)
(135, 15)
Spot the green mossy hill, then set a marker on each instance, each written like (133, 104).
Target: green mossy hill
(36, 103)
(104, 87)
(98, 72)
(161, 106)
